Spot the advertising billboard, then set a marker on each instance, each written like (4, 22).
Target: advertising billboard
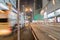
(58, 19)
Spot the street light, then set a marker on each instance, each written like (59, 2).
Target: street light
(28, 10)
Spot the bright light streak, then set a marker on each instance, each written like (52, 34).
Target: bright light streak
(42, 12)
(3, 7)
(46, 8)
(2, 11)
(26, 9)
(5, 32)
(53, 2)
(51, 15)
(30, 9)
(45, 15)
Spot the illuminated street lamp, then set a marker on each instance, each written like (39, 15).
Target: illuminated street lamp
(31, 10)
(28, 10)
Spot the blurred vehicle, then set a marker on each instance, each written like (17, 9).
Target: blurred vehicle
(5, 28)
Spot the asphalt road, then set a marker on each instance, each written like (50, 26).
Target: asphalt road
(26, 34)
(43, 32)
(50, 30)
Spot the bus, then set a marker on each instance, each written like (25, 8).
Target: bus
(5, 28)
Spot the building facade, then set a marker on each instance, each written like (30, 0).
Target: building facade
(13, 2)
(51, 7)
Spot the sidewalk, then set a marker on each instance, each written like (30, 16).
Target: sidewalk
(26, 34)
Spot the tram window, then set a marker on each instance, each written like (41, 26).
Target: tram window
(3, 20)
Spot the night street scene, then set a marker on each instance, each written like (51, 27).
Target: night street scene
(29, 19)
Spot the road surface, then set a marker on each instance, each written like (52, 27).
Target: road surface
(25, 34)
(49, 30)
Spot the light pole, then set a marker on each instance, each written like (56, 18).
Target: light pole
(34, 6)
(24, 14)
(18, 20)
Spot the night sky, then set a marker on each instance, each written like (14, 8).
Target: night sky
(30, 2)
(27, 2)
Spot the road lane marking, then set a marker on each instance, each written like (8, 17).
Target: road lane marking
(52, 37)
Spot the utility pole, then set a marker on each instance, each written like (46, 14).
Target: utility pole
(23, 16)
(34, 8)
(18, 20)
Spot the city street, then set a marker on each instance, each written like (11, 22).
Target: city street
(9, 37)
(29, 19)
(49, 30)
(25, 34)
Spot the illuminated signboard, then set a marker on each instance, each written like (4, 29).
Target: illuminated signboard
(57, 12)
(51, 15)
(58, 19)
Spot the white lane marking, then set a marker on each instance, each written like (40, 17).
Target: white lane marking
(52, 37)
